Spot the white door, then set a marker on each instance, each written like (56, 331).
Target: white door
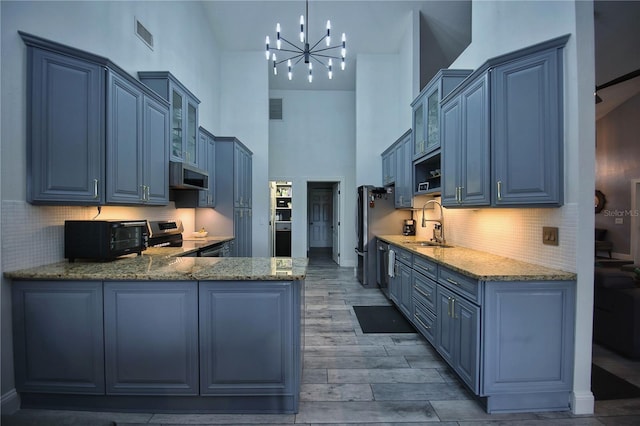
(320, 218)
(335, 225)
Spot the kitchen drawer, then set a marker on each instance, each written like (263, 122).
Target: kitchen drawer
(424, 290)
(465, 286)
(426, 267)
(403, 256)
(424, 320)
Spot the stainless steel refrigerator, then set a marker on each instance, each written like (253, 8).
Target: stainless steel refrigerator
(375, 215)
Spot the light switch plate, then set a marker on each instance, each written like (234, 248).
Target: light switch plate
(550, 235)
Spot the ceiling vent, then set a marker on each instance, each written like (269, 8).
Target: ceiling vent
(275, 108)
(144, 34)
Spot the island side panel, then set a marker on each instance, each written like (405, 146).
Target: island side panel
(250, 340)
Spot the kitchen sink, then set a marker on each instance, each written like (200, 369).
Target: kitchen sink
(427, 244)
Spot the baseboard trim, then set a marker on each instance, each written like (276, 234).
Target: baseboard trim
(582, 403)
(10, 402)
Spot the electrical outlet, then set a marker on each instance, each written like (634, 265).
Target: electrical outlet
(550, 235)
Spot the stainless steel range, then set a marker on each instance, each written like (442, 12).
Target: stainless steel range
(165, 233)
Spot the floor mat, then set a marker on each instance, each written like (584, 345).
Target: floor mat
(606, 385)
(382, 319)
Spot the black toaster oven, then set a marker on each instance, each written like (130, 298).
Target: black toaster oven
(104, 239)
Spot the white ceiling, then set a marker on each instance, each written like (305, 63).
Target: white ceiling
(371, 26)
(377, 26)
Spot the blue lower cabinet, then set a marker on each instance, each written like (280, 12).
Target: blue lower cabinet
(249, 340)
(528, 324)
(488, 330)
(58, 337)
(152, 330)
(458, 335)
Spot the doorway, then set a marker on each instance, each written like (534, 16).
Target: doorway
(323, 216)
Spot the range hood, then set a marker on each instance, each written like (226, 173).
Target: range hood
(185, 176)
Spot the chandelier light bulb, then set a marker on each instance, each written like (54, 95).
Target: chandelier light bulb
(278, 42)
(289, 74)
(267, 51)
(344, 45)
(301, 28)
(275, 69)
(342, 64)
(328, 33)
(310, 72)
(330, 69)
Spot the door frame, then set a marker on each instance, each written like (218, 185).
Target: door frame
(337, 184)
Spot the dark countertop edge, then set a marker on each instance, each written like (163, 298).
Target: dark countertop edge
(558, 275)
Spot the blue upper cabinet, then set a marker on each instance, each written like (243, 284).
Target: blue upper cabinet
(465, 153)
(502, 132)
(426, 110)
(527, 130)
(65, 127)
(96, 135)
(184, 114)
(389, 166)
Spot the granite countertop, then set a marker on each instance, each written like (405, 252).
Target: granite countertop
(162, 264)
(477, 264)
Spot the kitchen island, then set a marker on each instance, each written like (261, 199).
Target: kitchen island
(161, 333)
(506, 327)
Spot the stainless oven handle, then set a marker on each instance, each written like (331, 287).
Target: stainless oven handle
(136, 223)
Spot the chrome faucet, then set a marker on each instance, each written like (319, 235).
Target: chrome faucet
(438, 229)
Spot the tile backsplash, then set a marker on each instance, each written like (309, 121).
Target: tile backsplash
(513, 233)
(34, 235)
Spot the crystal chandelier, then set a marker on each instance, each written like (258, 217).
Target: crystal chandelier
(306, 52)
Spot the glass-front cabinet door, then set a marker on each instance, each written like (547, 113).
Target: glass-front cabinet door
(191, 141)
(176, 125)
(433, 120)
(184, 114)
(418, 128)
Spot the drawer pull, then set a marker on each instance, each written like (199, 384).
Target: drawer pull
(420, 322)
(449, 280)
(422, 292)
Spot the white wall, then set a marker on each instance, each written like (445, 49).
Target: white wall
(244, 113)
(315, 141)
(33, 235)
(499, 27)
(385, 87)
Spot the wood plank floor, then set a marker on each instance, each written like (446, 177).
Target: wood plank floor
(355, 378)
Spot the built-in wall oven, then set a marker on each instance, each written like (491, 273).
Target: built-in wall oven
(382, 275)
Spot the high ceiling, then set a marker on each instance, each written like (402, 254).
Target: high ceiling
(371, 26)
(617, 38)
(377, 26)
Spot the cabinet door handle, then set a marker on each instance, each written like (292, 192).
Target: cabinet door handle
(95, 188)
(499, 183)
(148, 188)
(460, 188)
(420, 322)
(453, 308)
(449, 280)
(425, 294)
(448, 306)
